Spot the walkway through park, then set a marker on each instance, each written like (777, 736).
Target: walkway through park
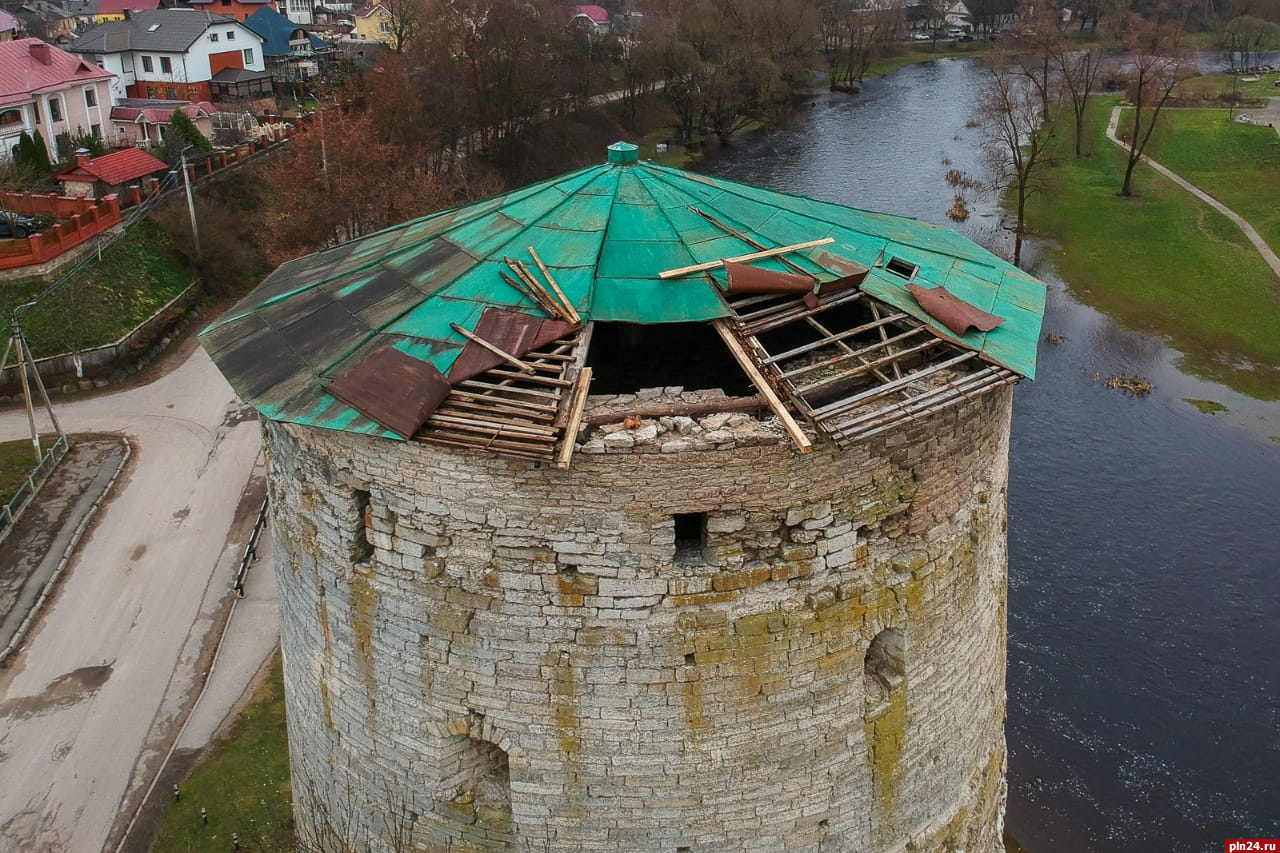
(1265, 250)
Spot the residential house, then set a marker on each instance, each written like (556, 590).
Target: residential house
(241, 10)
(374, 22)
(298, 11)
(48, 21)
(111, 173)
(179, 55)
(118, 10)
(10, 26)
(142, 121)
(593, 19)
(292, 53)
(47, 89)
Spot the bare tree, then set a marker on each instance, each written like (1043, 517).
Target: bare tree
(1078, 71)
(405, 21)
(1245, 41)
(1157, 65)
(1018, 133)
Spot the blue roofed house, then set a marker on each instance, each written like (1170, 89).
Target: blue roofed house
(291, 52)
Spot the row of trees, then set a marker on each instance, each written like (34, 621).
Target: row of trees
(1040, 84)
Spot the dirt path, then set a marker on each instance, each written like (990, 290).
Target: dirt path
(1253, 236)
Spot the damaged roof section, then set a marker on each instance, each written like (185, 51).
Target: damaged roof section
(833, 309)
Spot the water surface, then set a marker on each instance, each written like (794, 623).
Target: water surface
(1144, 598)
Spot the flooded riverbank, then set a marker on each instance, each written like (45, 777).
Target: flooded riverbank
(1144, 694)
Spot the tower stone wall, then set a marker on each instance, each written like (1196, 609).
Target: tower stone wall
(728, 646)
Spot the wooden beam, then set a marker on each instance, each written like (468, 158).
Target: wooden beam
(546, 273)
(754, 256)
(576, 407)
(749, 367)
(498, 351)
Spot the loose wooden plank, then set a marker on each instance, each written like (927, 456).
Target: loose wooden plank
(498, 351)
(749, 367)
(753, 256)
(564, 300)
(576, 407)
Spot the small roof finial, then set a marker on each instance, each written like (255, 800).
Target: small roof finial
(623, 152)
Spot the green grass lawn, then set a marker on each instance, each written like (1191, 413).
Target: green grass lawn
(137, 275)
(242, 781)
(1214, 86)
(17, 461)
(1162, 262)
(1238, 164)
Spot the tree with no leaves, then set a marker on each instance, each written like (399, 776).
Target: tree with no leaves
(1157, 65)
(1018, 132)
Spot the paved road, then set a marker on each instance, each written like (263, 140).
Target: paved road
(1253, 236)
(117, 656)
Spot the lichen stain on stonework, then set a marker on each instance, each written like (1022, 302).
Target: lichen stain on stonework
(885, 732)
(364, 603)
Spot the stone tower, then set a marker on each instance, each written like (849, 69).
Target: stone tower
(575, 556)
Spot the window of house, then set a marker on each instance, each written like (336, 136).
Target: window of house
(9, 117)
(90, 98)
(248, 56)
(166, 66)
(55, 109)
(171, 92)
(146, 65)
(95, 130)
(231, 35)
(213, 36)
(384, 26)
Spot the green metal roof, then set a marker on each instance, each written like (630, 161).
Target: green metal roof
(605, 231)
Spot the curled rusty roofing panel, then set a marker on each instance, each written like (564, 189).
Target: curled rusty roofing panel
(605, 232)
(396, 390)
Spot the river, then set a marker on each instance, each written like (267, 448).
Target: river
(1144, 554)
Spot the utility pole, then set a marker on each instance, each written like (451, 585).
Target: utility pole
(191, 203)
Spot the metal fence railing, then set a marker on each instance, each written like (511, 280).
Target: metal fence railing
(250, 550)
(27, 491)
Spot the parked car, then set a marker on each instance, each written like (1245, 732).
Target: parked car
(17, 224)
(964, 37)
(920, 37)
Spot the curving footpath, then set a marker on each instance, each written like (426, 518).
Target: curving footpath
(1258, 243)
(115, 661)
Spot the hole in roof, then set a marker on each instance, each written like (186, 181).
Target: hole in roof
(627, 357)
(898, 266)
(153, 28)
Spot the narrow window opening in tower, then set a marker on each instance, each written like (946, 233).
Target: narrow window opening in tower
(486, 773)
(626, 357)
(691, 534)
(361, 547)
(883, 670)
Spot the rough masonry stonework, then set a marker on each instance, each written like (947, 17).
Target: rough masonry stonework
(695, 638)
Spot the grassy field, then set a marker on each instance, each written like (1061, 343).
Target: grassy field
(1217, 86)
(137, 275)
(1162, 262)
(17, 461)
(1238, 164)
(242, 781)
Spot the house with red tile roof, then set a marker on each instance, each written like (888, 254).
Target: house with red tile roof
(47, 89)
(241, 10)
(118, 10)
(111, 173)
(594, 18)
(139, 121)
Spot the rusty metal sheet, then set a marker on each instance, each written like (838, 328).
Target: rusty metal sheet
(744, 278)
(509, 331)
(396, 390)
(952, 311)
(852, 271)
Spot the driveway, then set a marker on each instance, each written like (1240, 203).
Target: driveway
(88, 708)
